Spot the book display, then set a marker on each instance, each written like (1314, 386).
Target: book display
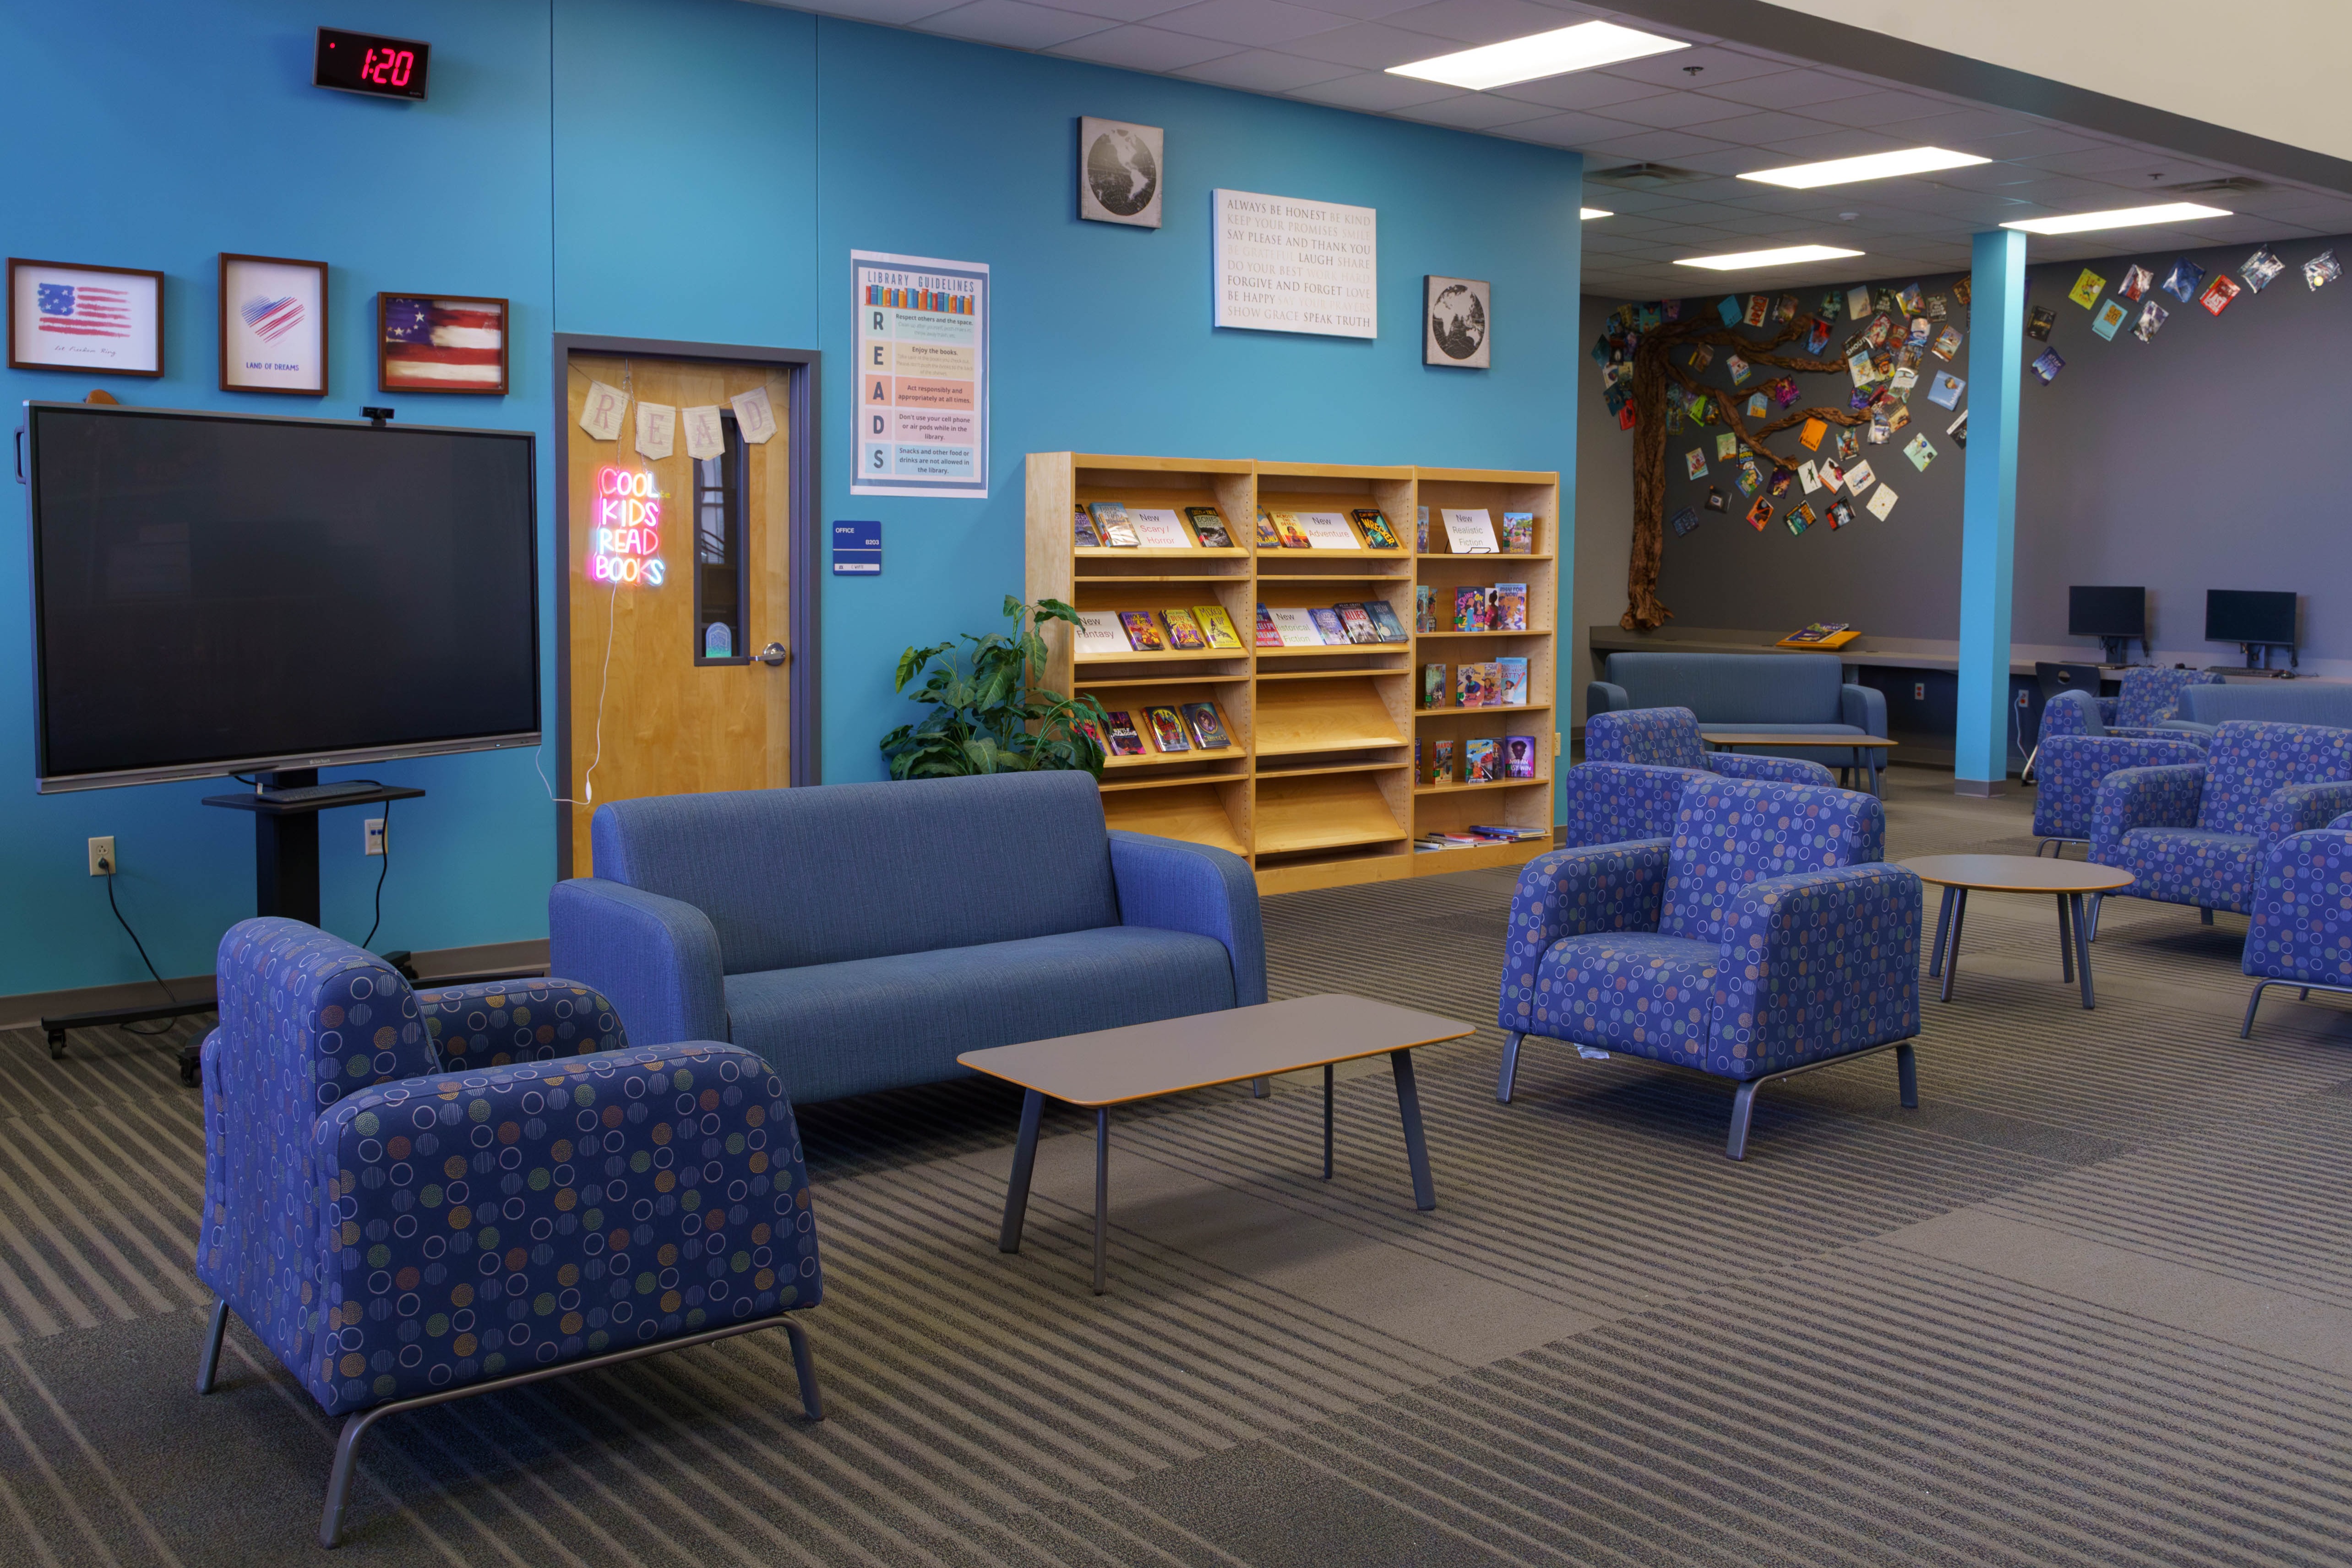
(1356, 724)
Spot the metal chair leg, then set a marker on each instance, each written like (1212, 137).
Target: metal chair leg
(1906, 1074)
(1952, 953)
(1260, 1087)
(208, 1353)
(1943, 930)
(2304, 995)
(1742, 1103)
(2204, 916)
(1510, 1067)
(2246, 1029)
(2065, 943)
(2093, 935)
(804, 1370)
(339, 1483)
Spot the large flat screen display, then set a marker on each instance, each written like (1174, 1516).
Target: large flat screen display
(219, 593)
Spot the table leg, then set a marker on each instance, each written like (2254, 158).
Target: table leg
(1327, 1122)
(1102, 1192)
(2065, 943)
(2082, 953)
(1416, 1152)
(1024, 1159)
(1952, 952)
(1943, 930)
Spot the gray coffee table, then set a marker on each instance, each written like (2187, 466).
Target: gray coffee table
(1143, 1061)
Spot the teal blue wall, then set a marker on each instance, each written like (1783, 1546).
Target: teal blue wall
(700, 170)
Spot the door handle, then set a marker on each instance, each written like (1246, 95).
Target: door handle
(772, 655)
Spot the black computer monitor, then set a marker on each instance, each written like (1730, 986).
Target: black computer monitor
(2258, 619)
(2113, 616)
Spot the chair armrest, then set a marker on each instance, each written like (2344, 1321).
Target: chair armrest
(2342, 821)
(1604, 696)
(1817, 965)
(657, 959)
(2144, 733)
(2297, 808)
(1172, 885)
(1576, 893)
(1865, 708)
(2067, 775)
(1614, 803)
(2164, 796)
(1782, 769)
(500, 1021)
(2109, 707)
(2298, 928)
(2188, 728)
(473, 1224)
(2069, 713)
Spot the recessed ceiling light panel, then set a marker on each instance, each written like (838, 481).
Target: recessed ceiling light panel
(2121, 217)
(1595, 212)
(1556, 53)
(1874, 166)
(1786, 257)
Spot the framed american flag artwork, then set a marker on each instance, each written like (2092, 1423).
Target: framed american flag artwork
(440, 342)
(273, 325)
(101, 320)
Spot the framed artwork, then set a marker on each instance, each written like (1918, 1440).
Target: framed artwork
(273, 325)
(440, 342)
(1456, 323)
(108, 320)
(1120, 172)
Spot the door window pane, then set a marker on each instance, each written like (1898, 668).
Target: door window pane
(722, 573)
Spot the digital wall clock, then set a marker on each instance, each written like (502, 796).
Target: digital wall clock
(362, 62)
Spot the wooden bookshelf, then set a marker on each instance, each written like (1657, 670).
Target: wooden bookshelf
(1321, 786)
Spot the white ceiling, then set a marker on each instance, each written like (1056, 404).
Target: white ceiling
(1743, 108)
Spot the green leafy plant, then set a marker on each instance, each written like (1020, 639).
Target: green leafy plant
(985, 717)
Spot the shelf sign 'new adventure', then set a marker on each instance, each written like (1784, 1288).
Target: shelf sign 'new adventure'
(1284, 265)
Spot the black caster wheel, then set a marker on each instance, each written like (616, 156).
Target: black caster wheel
(192, 1064)
(58, 1047)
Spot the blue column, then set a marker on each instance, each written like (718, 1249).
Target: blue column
(1989, 509)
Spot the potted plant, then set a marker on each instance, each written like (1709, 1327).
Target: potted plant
(985, 717)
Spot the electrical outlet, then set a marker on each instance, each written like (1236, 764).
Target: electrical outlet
(1919, 692)
(2022, 702)
(374, 829)
(102, 862)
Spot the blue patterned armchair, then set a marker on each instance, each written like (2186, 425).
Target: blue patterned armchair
(2070, 768)
(1635, 764)
(2149, 698)
(2300, 931)
(412, 1199)
(2198, 834)
(1765, 939)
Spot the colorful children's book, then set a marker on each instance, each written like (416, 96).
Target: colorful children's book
(1111, 523)
(1519, 757)
(1208, 727)
(1167, 729)
(1432, 686)
(1268, 536)
(1143, 633)
(1470, 609)
(1268, 633)
(1378, 534)
(1293, 536)
(1183, 632)
(1441, 762)
(1468, 689)
(1216, 626)
(1482, 761)
(1420, 527)
(1209, 527)
(1087, 538)
(1519, 533)
(1124, 741)
(1424, 609)
(1333, 630)
(1298, 627)
(1359, 622)
(1512, 674)
(1392, 628)
(1510, 607)
(1099, 633)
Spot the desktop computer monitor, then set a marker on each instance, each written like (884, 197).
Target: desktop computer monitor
(2113, 616)
(2261, 620)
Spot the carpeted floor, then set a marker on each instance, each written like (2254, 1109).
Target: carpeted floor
(2091, 1303)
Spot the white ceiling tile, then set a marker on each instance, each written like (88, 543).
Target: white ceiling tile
(1762, 129)
(1143, 48)
(1879, 109)
(1655, 146)
(1672, 111)
(1255, 23)
(2042, 141)
(1012, 23)
(1567, 130)
(1715, 66)
(1114, 10)
(1361, 10)
(1795, 90)
(1371, 46)
(1376, 91)
(1265, 70)
(1587, 91)
(1473, 22)
(1963, 130)
(890, 13)
(1733, 161)
(1476, 112)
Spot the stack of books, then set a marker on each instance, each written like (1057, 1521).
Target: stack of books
(1367, 528)
(1495, 683)
(1334, 626)
(1201, 629)
(1109, 525)
(1477, 837)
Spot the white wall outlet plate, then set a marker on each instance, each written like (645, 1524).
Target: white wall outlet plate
(102, 862)
(374, 828)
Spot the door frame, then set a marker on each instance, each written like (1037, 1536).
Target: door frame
(804, 545)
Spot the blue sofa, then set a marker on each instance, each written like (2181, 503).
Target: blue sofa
(2327, 703)
(1792, 693)
(859, 937)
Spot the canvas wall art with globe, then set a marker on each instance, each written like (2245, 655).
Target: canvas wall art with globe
(1120, 172)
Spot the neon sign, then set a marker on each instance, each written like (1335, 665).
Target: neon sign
(624, 545)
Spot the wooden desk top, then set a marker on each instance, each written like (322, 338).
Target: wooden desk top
(1736, 738)
(2017, 874)
(1112, 1067)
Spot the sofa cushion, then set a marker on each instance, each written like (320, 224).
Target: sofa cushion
(1629, 991)
(2190, 866)
(2278, 702)
(1745, 689)
(832, 1029)
(833, 872)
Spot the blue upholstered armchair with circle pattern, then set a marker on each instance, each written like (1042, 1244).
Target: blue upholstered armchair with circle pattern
(2300, 933)
(1636, 761)
(2069, 769)
(2149, 698)
(1765, 938)
(409, 1198)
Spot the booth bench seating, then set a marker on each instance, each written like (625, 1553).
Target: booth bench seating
(860, 937)
(2324, 702)
(1759, 693)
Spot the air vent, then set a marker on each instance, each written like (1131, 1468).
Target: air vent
(2236, 185)
(1647, 176)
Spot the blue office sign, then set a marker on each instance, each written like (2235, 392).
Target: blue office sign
(857, 549)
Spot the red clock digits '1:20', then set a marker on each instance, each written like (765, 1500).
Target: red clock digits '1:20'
(388, 68)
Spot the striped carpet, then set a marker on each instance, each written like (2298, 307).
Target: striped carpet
(2091, 1303)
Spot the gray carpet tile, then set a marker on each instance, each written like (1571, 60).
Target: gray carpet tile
(2090, 1303)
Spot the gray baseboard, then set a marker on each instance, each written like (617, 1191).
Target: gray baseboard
(24, 1010)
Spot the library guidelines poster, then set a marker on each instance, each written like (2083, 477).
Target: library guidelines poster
(922, 392)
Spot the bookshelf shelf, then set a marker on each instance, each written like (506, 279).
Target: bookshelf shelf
(1326, 785)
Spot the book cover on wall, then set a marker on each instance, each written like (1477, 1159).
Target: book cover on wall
(1441, 762)
(1432, 686)
(1160, 529)
(1328, 531)
(1519, 533)
(2138, 281)
(1469, 531)
(1208, 726)
(1111, 523)
(1361, 627)
(1332, 630)
(1294, 535)
(1378, 534)
(1469, 609)
(1209, 527)
(1511, 674)
(1268, 633)
(1684, 522)
(1083, 527)
(2182, 280)
(1760, 514)
(1216, 626)
(2110, 316)
(1123, 740)
(1424, 609)
(1510, 607)
(1099, 633)
(1143, 633)
(1392, 629)
(1298, 627)
(1167, 729)
(1185, 633)
(1519, 757)
(1482, 761)
(2219, 293)
(1268, 536)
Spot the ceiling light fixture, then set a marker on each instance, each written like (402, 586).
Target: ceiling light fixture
(1595, 212)
(1874, 166)
(1556, 53)
(1788, 256)
(2122, 217)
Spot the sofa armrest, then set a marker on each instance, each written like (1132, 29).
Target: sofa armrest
(543, 1212)
(2165, 796)
(2298, 928)
(1865, 708)
(1614, 803)
(658, 958)
(1172, 885)
(496, 1022)
(1603, 697)
(1576, 893)
(1816, 964)
(2298, 808)
(1782, 770)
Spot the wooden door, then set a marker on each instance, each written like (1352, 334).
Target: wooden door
(661, 549)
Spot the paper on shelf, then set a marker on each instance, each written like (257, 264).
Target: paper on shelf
(1160, 529)
(1470, 531)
